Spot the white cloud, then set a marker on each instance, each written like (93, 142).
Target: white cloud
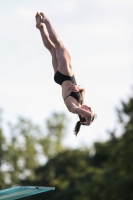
(104, 61)
(109, 29)
(25, 13)
(68, 5)
(116, 28)
(121, 2)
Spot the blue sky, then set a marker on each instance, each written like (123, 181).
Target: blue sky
(98, 35)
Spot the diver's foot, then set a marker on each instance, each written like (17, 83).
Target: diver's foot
(39, 23)
(44, 18)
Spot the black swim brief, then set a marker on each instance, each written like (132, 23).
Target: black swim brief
(60, 78)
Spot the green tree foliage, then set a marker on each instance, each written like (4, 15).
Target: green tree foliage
(120, 164)
(21, 158)
(76, 174)
(52, 141)
(69, 172)
(107, 175)
(3, 152)
(20, 153)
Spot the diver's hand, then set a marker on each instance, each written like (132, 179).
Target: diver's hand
(73, 88)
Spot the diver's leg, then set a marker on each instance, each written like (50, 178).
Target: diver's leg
(46, 41)
(52, 33)
(45, 37)
(62, 55)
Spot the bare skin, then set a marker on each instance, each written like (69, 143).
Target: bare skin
(61, 61)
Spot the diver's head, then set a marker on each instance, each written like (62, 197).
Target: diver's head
(85, 119)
